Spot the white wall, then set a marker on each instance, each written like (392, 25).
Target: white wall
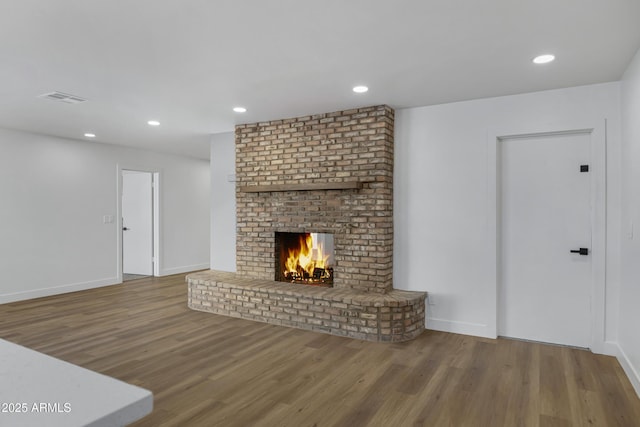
(54, 194)
(629, 334)
(223, 202)
(442, 219)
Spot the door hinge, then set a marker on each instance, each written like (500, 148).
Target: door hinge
(584, 168)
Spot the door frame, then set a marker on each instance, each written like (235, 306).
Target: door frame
(156, 183)
(597, 132)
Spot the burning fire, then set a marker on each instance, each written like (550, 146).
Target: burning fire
(308, 259)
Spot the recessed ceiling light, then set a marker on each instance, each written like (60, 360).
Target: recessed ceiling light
(239, 109)
(360, 89)
(153, 123)
(90, 135)
(543, 59)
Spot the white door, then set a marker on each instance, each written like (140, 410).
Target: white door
(545, 290)
(137, 223)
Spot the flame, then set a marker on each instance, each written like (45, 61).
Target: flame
(307, 256)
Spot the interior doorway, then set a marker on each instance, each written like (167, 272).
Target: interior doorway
(546, 238)
(139, 224)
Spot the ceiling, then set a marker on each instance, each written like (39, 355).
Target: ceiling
(186, 63)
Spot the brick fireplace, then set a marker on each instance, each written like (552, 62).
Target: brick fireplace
(330, 174)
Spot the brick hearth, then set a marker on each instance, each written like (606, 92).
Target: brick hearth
(326, 173)
(391, 317)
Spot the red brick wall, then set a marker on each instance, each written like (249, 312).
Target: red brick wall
(341, 146)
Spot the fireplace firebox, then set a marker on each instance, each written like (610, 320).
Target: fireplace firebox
(304, 258)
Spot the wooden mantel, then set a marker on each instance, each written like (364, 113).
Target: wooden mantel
(344, 185)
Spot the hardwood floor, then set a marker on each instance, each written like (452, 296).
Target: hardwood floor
(208, 370)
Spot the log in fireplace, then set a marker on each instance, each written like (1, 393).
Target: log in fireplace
(304, 258)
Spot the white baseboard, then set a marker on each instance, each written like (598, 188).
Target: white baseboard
(55, 290)
(183, 269)
(629, 369)
(608, 348)
(457, 327)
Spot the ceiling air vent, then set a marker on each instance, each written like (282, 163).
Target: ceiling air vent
(63, 97)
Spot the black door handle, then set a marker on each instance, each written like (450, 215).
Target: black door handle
(125, 228)
(581, 251)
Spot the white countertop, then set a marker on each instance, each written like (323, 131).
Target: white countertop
(50, 392)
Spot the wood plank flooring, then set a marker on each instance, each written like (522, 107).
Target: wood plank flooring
(208, 370)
